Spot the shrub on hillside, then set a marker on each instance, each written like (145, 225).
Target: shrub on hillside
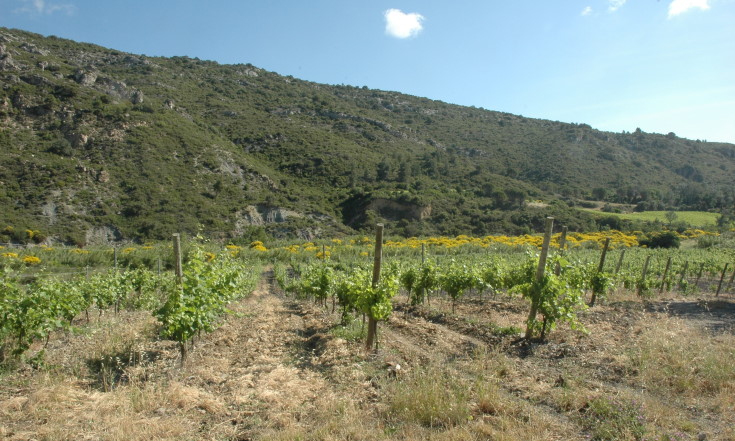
(665, 239)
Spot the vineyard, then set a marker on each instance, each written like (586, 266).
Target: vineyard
(564, 336)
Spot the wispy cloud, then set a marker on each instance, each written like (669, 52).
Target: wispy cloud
(43, 7)
(399, 24)
(587, 11)
(677, 7)
(615, 5)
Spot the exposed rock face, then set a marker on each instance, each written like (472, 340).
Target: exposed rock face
(85, 78)
(103, 176)
(261, 215)
(32, 48)
(49, 210)
(249, 72)
(117, 89)
(102, 235)
(78, 139)
(137, 97)
(6, 60)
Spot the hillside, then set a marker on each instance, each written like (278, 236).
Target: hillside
(96, 144)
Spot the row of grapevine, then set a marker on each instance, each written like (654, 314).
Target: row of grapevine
(30, 312)
(561, 294)
(353, 290)
(557, 293)
(197, 304)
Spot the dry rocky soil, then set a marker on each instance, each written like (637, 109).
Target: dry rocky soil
(281, 368)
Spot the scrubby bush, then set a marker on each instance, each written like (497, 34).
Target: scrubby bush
(665, 239)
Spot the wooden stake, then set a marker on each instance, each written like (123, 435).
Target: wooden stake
(620, 262)
(643, 274)
(536, 300)
(562, 245)
(722, 278)
(683, 274)
(666, 273)
(699, 275)
(600, 266)
(424, 296)
(372, 323)
(603, 255)
(177, 259)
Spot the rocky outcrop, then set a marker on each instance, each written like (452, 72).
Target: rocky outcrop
(85, 78)
(33, 49)
(137, 97)
(102, 235)
(261, 215)
(6, 60)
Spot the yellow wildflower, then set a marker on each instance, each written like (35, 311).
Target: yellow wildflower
(31, 260)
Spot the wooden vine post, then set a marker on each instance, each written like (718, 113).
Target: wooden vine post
(666, 273)
(699, 275)
(683, 274)
(729, 284)
(372, 323)
(562, 245)
(177, 259)
(424, 298)
(600, 267)
(643, 274)
(722, 278)
(179, 270)
(620, 262)
(536, 297)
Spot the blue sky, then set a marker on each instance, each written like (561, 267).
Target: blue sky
(661, 65)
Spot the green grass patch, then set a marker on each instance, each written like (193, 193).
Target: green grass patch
(429, 397)
(693, 218)
(352, 331)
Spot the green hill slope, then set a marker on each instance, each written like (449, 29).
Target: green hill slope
(96, 144)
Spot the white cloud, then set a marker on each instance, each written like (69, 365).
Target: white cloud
(401, 25)
(615, 5)
(43, 7)
(677, 7)
(587, 11)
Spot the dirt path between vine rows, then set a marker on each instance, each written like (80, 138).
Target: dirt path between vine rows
(273, 364)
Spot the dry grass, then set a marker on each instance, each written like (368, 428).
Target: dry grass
(280, 374)
(430, 397)
(674, 357)
(60, 410)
